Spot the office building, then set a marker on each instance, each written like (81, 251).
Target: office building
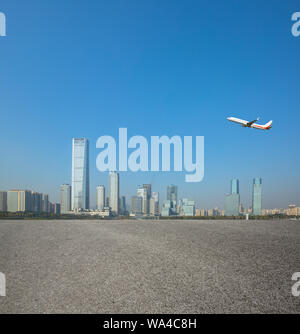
(122, 205)
(56, 208)
(187, 207)
(149, 193)
(172, 193)
(80, 174)
(166, 209)
(65, 198)
(257, 196)
(143, 193)
(232, 200)
(3, 201)
(113, 192)
(154, 207)
(19, 200)
(155, 196)
(45, 202)
(172, 197)
(136, 205)
(100, 197)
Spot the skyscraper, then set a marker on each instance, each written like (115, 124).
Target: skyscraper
(257, 196)
(232, 200)
(154, 204)
(172, 193)
(3, 201)
(235, 186)
(136, 205)
(148, 189)
(122, 205)
(45, 203)
(100, 197)
(172, 197)
(143, 193)
(65, 198)
(155, 196)
(80, 174)
(113, 192)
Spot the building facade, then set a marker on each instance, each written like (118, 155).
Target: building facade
(136, 205)
(232, 200)
(100, 197)
(113, 192)
(19, 200)
(3, 200)
(80, 174)
(142, 192)
(257, 196)
(65, 198)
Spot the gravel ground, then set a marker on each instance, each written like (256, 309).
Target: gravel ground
(149, 266)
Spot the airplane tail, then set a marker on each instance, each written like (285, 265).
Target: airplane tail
(268, 125)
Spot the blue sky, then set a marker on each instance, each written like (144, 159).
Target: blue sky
(86, 68)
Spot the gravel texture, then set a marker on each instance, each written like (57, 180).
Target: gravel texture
(149, 266)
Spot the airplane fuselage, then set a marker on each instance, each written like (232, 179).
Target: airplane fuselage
(251, 124)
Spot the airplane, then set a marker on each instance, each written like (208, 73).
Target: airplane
(251, 124)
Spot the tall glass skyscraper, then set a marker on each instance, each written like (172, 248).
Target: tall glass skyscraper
(257, 196)
(113, 192)
(172, 193)
(232, 200)
(80, 174)
(235, 186)
(172, 197)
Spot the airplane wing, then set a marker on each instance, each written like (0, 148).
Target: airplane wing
(250, 123)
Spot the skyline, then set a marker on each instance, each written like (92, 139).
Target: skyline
(80, 174)
(155, 69)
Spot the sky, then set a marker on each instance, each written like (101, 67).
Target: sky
(87, 68)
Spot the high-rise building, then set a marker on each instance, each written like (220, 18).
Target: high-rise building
(155, 196)
(36, 202)
(143, 193)
(56, 208)
(172, 193)
(45, 203)
(166, 209)
(154, 207)
(136, 205)
(149, 193)
(113, 192)
(188, 207)
(3, 201)
(65, 198)
(172, 197)
(19, 200)
(80, 174)
(235, 186)
(122, 205)
(154, 204)
(232, 200)
(257, 196)
(100, 197)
